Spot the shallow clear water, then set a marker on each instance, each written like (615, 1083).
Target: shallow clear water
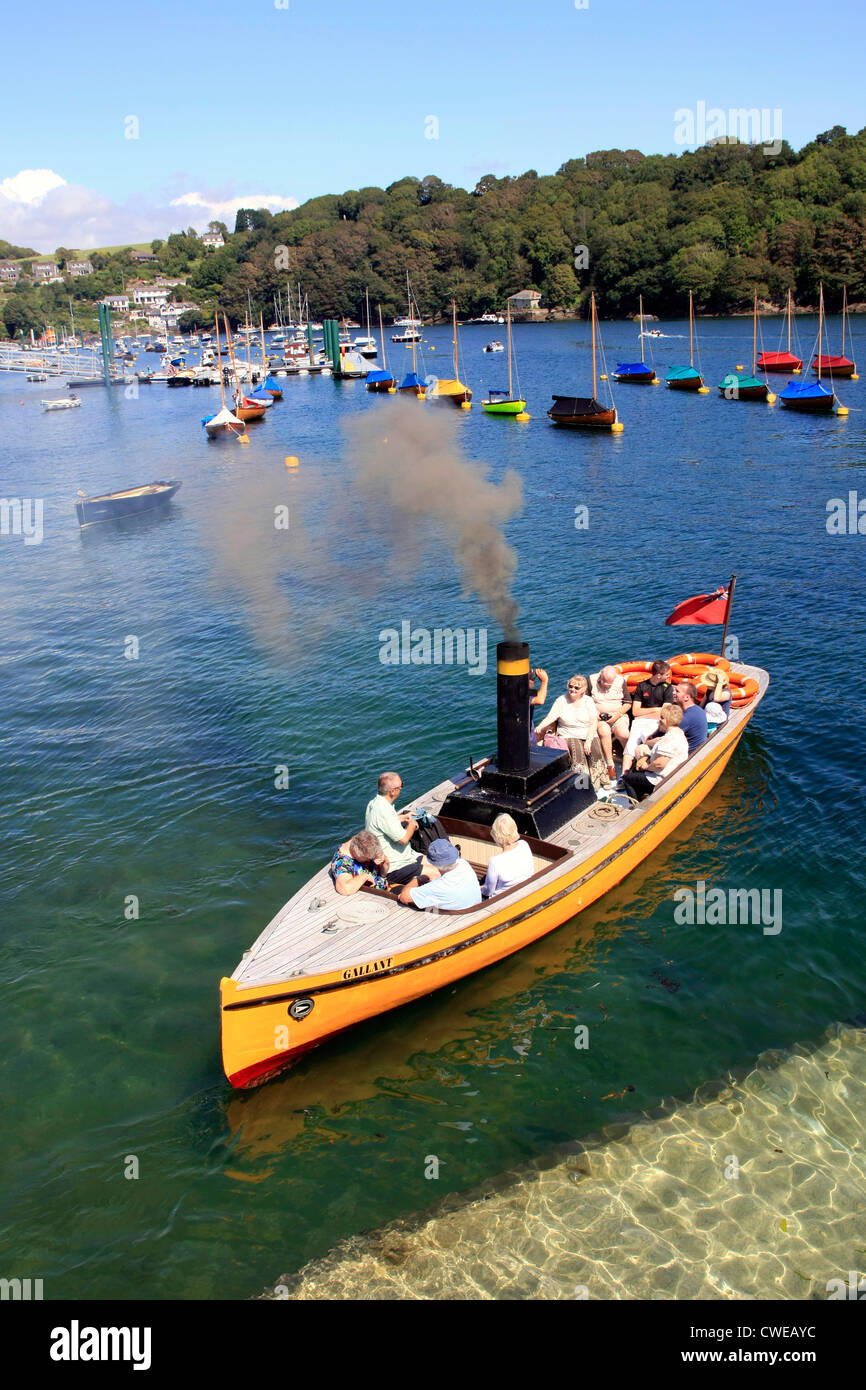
(154, 777)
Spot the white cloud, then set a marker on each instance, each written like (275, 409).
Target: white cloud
(212, 207)
(39, 208)
(30, 185)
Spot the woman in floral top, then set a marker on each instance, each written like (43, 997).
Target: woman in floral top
(360, 860)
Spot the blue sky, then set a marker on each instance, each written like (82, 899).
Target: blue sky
(257, 99)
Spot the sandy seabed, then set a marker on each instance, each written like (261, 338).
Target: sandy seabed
(756, 1188)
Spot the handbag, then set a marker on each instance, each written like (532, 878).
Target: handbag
(552, 740)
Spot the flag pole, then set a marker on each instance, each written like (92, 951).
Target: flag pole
(731, 588)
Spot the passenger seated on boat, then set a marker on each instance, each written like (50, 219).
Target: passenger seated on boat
(645, 731)
(718, 690)
(455, 887)
(669, 753)
(694, 723)
(715, 716)
(395, 830)
(360, 860)
(538, 680)
(513, 865)
(573, 724)
(653, 692)
(609, 691)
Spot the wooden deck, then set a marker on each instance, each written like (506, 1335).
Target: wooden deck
(317, 930)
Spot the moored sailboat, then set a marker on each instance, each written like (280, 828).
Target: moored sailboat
(586, 412)
(743, 386)
(840, 366)
(811, 397)
(411, 383)
(687, 378)
(451, 389)
(505, 402)
(636, 373)
(380, 379)
(782, 361)
(224, 422)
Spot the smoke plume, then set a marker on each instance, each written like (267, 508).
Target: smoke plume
(406, 467)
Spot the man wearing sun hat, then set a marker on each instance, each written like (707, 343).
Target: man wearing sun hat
(456, 886)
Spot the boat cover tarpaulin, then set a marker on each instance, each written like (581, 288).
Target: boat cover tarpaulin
(736, 381)
(631, 368)
(379, 375)
(411, 381)
(578, 405)
(805, 391)
(682, 374)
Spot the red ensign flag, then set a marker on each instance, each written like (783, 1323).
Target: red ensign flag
(703, 608)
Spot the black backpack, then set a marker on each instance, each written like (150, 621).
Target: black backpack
(430, 828)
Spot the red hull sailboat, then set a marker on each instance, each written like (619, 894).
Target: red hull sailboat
(781, 361)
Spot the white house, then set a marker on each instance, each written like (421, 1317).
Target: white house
(524, 300)
(45, 272)
(214, 239)
(149, 296)
(77, 268)
(117, 303)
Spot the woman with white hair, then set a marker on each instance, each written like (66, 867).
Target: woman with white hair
(513, 864)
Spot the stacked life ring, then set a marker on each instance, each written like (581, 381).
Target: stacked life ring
(695, 667)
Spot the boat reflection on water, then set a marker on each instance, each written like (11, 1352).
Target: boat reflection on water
(479, 1025)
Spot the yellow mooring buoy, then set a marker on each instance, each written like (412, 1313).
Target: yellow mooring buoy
(291, 460)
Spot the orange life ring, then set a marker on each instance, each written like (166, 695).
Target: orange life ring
(689, 673)
(700, 659)
(743, 690)
(626, 667)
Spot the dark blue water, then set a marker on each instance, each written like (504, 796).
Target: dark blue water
(153, 779)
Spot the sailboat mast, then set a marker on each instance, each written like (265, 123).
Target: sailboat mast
(454, 315)
(844, 315)
(594, 379)
(820, 326)
(755, 334)
(691, 331)
(789, 323)
(382, 338)
(219, 361)
(411, 325)
(232, 355)
(508, 336)
(640, 330)
(264, 354)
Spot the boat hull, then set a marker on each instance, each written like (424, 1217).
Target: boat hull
(578, 412)
(259, 1036)
(249, 412)
(112, 506)
(820, 405)
(779, 362)
(685, 382)
(835, 367)
(734, 388)
(383, 385)
(503, 407)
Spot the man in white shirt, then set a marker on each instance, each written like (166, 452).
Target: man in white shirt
(669, 753)
(456, 886)
(609, 690)
(395, 830)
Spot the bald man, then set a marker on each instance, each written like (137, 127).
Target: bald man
(609, 691)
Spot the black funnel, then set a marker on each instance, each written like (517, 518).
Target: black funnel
(534, 785)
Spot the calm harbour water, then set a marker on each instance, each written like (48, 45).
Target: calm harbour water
(154, 777)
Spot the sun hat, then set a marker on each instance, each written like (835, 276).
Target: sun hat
(442, 853)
